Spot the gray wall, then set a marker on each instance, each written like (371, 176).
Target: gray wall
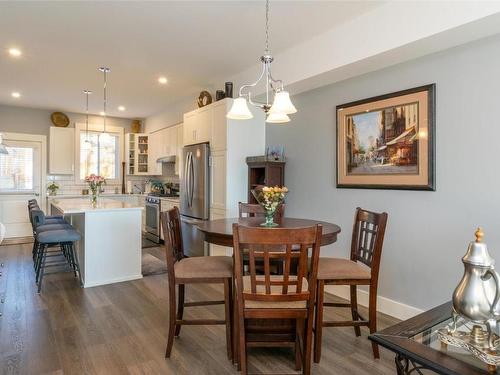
(428, 232)
(37, 121)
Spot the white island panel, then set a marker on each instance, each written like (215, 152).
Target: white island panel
(111, 245)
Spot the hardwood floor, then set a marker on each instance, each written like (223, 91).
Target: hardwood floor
(121, 329)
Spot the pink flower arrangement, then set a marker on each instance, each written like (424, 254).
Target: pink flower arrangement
(95, 182)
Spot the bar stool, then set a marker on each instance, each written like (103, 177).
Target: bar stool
(39, 223)
(64, 239)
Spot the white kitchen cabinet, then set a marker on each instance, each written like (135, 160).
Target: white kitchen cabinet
(155, 145)
(219, 126)
(218, 180)
(162, 143)
(232, 141)
(61, 150)
(217, 249)
(178, 159)
(198, 125)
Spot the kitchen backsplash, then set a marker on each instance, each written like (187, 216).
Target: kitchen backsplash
(68, 186)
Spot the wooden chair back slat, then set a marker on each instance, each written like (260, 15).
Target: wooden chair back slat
(264, 244)
(367, 237)
(286, 271)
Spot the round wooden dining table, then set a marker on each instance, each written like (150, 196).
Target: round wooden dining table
(220, 231)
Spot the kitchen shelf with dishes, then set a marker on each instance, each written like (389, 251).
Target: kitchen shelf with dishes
(137, 151)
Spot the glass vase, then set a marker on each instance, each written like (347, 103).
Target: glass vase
(269, 215)
(93, 197)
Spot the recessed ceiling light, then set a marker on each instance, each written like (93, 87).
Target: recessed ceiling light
(121, 108)
(15, 52)
(15, 94)
(102, 113)
(162, 80)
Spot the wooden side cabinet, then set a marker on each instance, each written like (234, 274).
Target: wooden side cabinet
(269, 173)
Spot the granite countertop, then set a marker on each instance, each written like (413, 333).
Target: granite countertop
(81, 205)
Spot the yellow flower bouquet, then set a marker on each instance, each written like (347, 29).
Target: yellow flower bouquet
(270, 198)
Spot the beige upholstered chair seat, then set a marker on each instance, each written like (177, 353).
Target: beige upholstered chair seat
(204, 267)
(341, 269)
(277, 289)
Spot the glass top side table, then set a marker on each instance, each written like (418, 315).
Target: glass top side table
(419, 351)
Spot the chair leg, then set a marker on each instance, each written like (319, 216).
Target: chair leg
(242, 341)
(372, 312)
(236, 350)
(42, 267)
(180, 307)
(299, 328)
(39, 256)
(318, 328)
(75, 262)
(306, 370)
(171, 321)
(227, 316)
(354, 308)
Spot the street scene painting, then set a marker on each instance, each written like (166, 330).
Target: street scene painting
(387, 142)
(383, 141)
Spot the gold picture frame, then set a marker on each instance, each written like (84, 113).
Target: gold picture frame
(388, 141)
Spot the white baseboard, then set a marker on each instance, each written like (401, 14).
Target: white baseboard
(385, 305)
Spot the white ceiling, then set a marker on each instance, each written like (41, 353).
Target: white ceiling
(194, 44)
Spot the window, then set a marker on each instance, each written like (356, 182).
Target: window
(99, 154)
(17, 169)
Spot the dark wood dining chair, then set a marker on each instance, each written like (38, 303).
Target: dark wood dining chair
(283, 296)
(183, 270)
(361, 269)
(256, 210)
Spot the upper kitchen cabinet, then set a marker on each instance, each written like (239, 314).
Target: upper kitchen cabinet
(198, 125)
(137, 153)
(164, 143)
(61, 150)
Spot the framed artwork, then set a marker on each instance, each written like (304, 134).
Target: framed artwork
(387, 142)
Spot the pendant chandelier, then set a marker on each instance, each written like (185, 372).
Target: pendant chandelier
(281, 107)
(87, 93)
(105, 72)
(3, 149)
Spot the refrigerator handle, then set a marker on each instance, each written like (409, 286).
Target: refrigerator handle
(191, 178)
(186, 178)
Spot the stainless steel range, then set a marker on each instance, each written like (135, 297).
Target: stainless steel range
(153, 209)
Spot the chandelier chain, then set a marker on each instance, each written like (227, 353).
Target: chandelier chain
(267, 27)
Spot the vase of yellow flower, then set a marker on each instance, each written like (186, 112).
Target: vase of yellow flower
(95, 182)
(270, 199)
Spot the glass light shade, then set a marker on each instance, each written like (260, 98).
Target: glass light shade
(3, 149)
(277, 117)
(283, 104)
(239, 110)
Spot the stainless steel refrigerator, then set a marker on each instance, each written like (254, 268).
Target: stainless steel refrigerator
(195, 196)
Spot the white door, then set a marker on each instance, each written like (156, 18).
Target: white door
(22, 171)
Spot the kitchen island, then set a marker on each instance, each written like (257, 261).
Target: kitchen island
(110, 248)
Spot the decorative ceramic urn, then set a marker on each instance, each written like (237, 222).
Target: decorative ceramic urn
(476, 296)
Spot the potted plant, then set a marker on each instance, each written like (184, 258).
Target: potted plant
(52, 188)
